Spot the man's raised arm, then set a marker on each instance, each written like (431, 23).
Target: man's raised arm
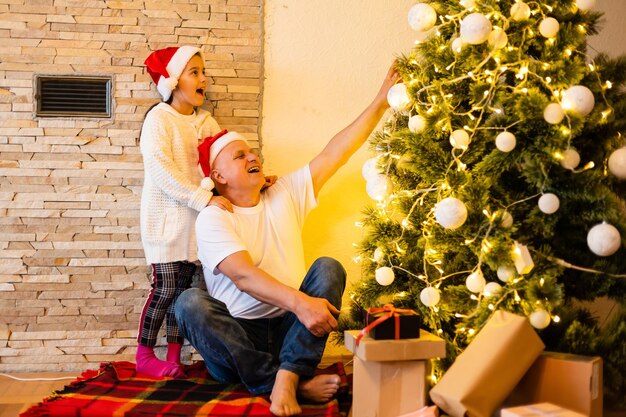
(349, 140)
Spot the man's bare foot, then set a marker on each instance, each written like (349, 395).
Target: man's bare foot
(320, 388)
(283, 396)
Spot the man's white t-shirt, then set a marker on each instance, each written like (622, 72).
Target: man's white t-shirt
(271, 232)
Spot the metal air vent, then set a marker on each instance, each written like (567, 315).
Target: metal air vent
(78, 96)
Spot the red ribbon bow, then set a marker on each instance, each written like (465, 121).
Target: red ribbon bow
(390, 311)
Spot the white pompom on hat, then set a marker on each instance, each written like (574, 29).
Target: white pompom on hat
(166, 65)
(208, 151)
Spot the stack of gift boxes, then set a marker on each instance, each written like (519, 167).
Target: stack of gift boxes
(503, 372)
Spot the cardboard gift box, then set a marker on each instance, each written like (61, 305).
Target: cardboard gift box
(486, 372)
(389, 322)
(567, 380)
(539, 410)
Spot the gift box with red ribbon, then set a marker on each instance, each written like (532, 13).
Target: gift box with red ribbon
(388, 322)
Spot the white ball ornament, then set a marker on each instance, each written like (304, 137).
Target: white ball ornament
(492, 289)
(475, 282)
(506, 220)
(549, 27)
(520, 11)
(549, 203)
(378, 255)
(422, 17)
(554, 113)
(457, 45)
(430, 296)
(417, 124)
(370, 169)
(585, 5)
(385, 275)
(497, 39)
(378, 187)
(398, 97)
(459, 139)
(450, 213)
(540, 319)
(571, 159)
(578, 100)
(475, 28)
(604, 239)
(617, 163)
(505, 273)
(505, 142)
(468, 4)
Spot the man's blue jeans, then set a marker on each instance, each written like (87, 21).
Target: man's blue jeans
(252, 351)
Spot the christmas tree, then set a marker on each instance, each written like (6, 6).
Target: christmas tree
(499, 179)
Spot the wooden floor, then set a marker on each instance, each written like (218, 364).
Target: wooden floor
(18, 396)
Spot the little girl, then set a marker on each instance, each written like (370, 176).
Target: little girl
(172, 196)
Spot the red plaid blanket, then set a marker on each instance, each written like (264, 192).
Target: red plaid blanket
(116, 390)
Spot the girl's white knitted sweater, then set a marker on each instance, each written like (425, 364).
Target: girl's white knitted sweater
(172, 197)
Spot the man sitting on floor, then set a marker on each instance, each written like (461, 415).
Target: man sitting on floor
(264, 320)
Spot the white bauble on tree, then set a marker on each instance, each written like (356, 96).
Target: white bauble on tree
(571, 159)
(475, 28)
(468, 4)
(492, 289)
(398, 97)
(379, 255)
(540, 319)
(450, 213)
(549, 27)
(385, 275)
(554, 113)
(475, 282)
(617, 163)
(370, 169)
(506, 220)
(378, 187)
(457, 45)
(585, 5)
(430, 296)
(497, 38)
(459, 139)
(549, 203)
(604, 239)
(579, 100)
(505, 273)
(417, 124)
(520, 11)
(505, 141)
(422, 17)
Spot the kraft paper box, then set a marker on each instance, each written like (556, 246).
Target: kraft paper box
(427, 346)
(432, 411)
(408, 325)
(539, 410)
(485, 373)
(570, 381)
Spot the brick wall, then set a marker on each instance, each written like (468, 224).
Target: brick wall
(72, 273)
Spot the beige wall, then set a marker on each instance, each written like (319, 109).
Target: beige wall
(324, 61)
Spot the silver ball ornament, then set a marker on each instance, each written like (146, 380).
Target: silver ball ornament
(571, 159)
(430, 296)
(540, 319)
(497, 38)
(492, 289)
(554, 113)
(506, 220)
(450, 213)
(549, 27)
(398, 97)
(379, 255)
(385, 275)
(604, 239)
(617, 163)
(475, 28)
(378, 187)
(370, 169)
(457, 45)
(520, 11)
(417, 124)
(578, 99)
(459, 139)
(549, 203)
(422, 17)
(475, 282)
(505, 141)
(505, 273)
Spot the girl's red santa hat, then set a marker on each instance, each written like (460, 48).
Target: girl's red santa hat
(166, 65)
(208, 151)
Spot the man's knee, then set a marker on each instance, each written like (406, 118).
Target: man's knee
(187, 301)
(332, 270)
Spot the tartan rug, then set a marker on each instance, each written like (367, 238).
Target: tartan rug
(116, 390)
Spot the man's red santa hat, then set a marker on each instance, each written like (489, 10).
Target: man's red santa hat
(166, 65)
(208, 151)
